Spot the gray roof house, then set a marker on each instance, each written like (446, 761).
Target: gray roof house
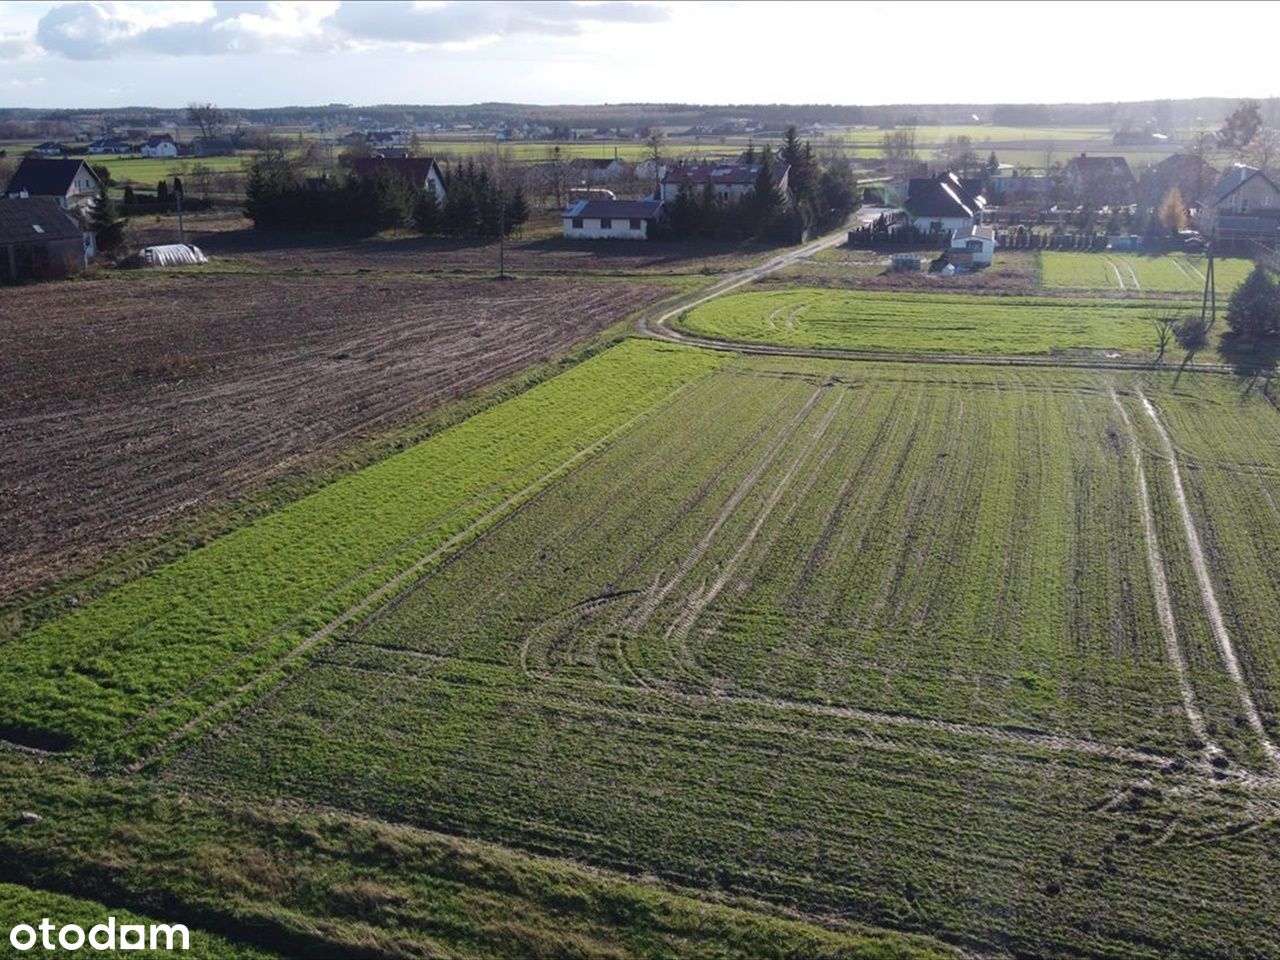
(39, 240)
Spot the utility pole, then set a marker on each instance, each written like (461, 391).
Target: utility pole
(502, 213)
(1209, 302)
(177, 192)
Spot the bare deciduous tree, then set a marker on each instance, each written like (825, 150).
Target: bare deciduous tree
(207, 117)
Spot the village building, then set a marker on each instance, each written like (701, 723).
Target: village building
(109, 145)
(942, 204)
(70, 182)
(599, 169)
(421, 173)
(1189, 173)
(213, 147)
(39, 240)
(161, 146)
(50, 148)
(973, 246)
(1011, 188)
(595, 219)
(1099, 180)
(727, 181)
(1243, 205)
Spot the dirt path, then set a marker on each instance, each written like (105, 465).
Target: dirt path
(1207, 593)
(1160, 589)
(1116, 271)
(1128, 265)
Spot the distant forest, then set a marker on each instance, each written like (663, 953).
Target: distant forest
(1208, 111)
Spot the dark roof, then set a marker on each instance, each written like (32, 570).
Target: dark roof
(942, 196)
(157, 139)
(46, 178)
(616, 209)
(413, 169)
(19, 219)
(1233, 180)
(1091, 167)
(720, 174)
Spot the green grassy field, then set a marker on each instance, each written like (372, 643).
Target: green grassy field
(19, 905)
(938, 323)
(146, 172)
(703, 654)
(152, 655)
(1162, 273)
(867, 641)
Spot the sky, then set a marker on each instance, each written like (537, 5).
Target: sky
(260, 54)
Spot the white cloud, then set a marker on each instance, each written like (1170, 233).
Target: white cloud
(101, 30)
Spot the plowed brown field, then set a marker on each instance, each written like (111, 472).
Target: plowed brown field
(123, 404)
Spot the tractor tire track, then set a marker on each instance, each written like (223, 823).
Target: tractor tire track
(1160, 590)
(1209, 597)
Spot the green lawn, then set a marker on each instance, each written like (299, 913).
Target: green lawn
(1158, 273)
(932, 323)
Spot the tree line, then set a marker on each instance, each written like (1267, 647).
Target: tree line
(279, 197)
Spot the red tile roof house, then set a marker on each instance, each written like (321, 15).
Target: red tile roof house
(420, 172)
(1100, 179)
(729, 181)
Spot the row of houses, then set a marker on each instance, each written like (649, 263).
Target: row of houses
(1243, 203)
(159, 146)
(611, 219)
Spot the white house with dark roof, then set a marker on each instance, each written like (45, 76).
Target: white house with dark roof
(611, 219)
(943, 204)
(70, 182)
(161, 146)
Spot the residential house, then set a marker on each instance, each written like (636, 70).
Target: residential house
(109, 145)
(1244, 204)
(942, 204)
(70, 182)
(50, 148)
(1188, 172)
(420, 172)
(161, 146)
(1011, 188)
(611, 219)
(973, 246)
(381, 139)
(598, 169)
(728, 181)
(1100, 180)
(39, 240)
(213, 147)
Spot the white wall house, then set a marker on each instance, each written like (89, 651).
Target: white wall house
(973, 246)
(610, 219)
(161, 147)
